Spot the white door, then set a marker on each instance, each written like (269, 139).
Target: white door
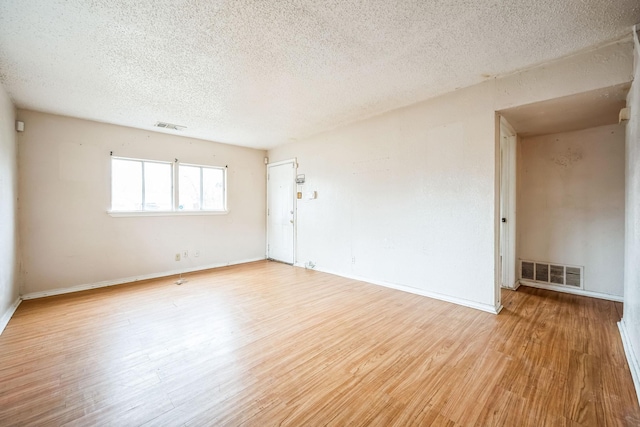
(507, 206)
(281, 211)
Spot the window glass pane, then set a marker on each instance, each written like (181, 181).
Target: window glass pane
(213, 187)
(189, 188)
(157, 183)
(126, 185)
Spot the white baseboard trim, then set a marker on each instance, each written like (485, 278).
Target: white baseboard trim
(60, 291)
(514, 288)
(459, 301)
(632, 360)
(4, 321)
(566, 290)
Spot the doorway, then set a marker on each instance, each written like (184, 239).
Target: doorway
(281, 214)
(570, 194)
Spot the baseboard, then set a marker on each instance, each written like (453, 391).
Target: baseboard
(632, 360)
(581, 292)
(514, 288)
(459, 301)
(4, 321)
(84, 287)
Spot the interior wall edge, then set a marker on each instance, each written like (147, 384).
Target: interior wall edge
(6, 317)
(10, 241)
(632, 360)
(630, 323)
(497, 196)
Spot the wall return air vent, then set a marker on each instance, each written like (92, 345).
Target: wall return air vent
(165, 125)
(552, 273)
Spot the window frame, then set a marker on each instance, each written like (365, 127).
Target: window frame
(175, 196)
(201, 167)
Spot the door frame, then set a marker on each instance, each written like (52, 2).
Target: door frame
(294, 162)
(507, 207)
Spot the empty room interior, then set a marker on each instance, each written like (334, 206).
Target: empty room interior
(320, 213)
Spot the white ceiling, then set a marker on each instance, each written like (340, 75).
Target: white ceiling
(264, 73)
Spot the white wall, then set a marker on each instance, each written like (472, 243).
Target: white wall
(70, 240)
(9, 253)
(411, 195)
(571, 203)
(630, 325)
(389, 198)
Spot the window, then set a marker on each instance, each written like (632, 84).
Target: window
(201, 188)
(139, 185)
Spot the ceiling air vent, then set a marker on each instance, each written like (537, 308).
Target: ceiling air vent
(170, 126)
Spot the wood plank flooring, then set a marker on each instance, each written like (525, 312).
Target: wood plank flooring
(265, 344)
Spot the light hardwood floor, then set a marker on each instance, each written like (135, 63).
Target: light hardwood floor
(268, 344)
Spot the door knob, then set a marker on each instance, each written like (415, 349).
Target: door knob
(504, 219)
(291, 221)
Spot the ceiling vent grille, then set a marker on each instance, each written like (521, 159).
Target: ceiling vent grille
(552, 273)
(170, 126)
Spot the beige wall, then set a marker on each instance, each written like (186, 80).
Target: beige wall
(405, 199)
(9, 253)
(571, 203)
(70, 240)
(409, 199)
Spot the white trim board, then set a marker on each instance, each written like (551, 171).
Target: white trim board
(84, 287)
(514, 288)
(632, 360)
(566, 290)
(434, 295)
(6, 317)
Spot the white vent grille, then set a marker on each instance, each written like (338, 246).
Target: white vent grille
(574, 277)
(526, 270)
(556, 274)
(552, 273)
(542, 272)
(171, 126)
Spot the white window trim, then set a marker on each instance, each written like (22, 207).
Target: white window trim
(174, 191)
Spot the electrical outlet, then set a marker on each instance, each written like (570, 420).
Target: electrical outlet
(185, 254)
(353, 260)
(197, 253)
(177, 257)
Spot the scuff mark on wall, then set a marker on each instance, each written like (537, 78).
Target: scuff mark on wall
(568, 158)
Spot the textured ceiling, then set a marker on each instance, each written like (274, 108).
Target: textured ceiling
(264, 73)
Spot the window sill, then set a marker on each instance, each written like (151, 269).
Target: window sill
(121, 214)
